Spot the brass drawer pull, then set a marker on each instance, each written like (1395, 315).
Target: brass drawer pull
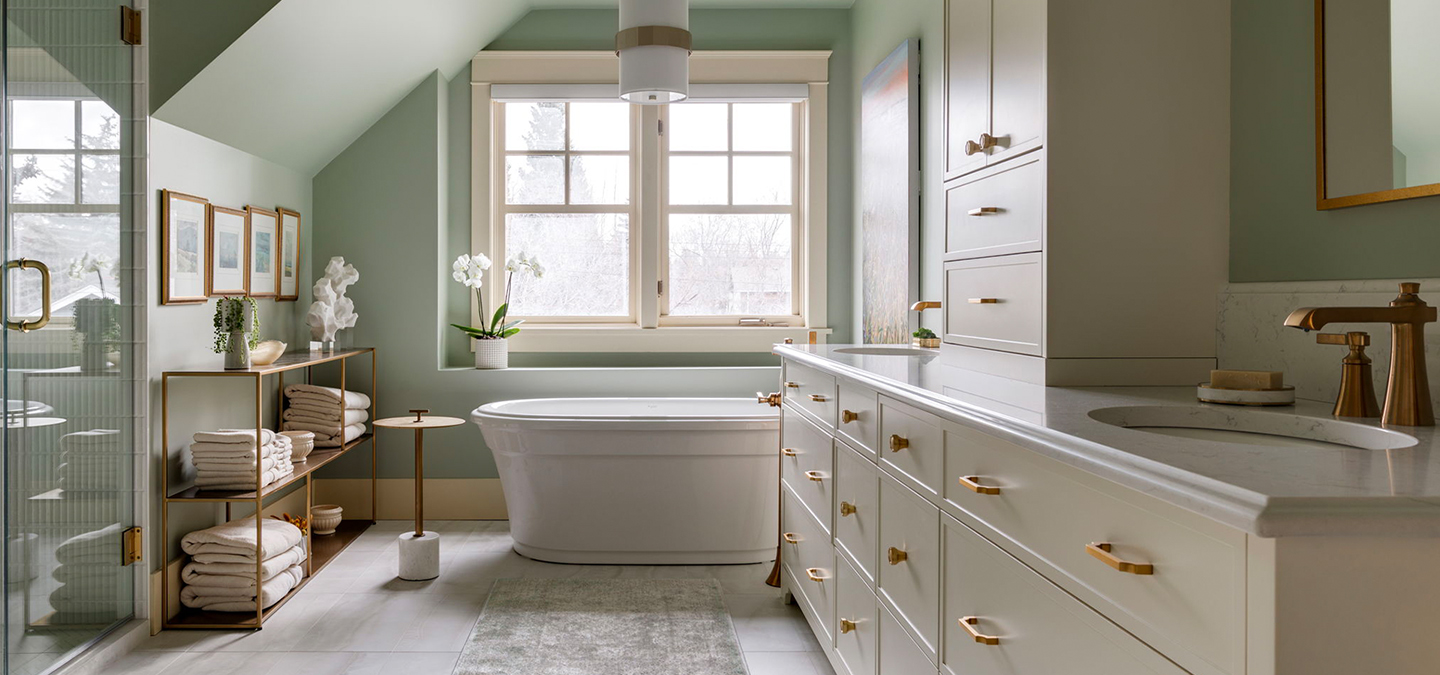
(791, 538)
(972, 484)
(815, 574)
(968, 623)
(790, 452)
(846, 509)
(846, 626)
(983, 301)
(848, 416)
(898, 442)
(897, 556)
(984, 211)
(1101, 551)
(792, 385)
(818, 398)
(815, 476)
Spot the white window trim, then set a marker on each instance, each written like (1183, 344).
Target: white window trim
(645, 333)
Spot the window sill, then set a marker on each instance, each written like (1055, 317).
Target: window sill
(631, 338)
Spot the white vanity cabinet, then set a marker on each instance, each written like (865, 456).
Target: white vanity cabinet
(994, 81)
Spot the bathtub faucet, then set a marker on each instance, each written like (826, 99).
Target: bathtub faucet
(772, 399)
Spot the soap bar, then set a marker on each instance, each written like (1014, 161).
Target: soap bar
(1247, 379)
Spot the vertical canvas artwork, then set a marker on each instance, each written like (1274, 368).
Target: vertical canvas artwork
(289, 255)
(890, 196)
(184, 228)
(264, 251)
(227, 251)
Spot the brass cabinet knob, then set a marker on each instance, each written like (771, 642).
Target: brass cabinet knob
(846, 509)
(791, 538)
(897, 556)
(792, 385)
(968, 623)
(846, 626)
(773, 400)
(789, 452)
(1101, 551)
(789, 341)
(972, 484)
(984, 211)
(815, 476)
(848, 416)
(818, 398)
(972, 148)
(815, 574)
(898, 442)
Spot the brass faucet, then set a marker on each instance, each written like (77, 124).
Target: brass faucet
(1357, 387)
(924, 305)
(1407, 397)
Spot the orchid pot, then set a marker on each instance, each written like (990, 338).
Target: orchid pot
(492, 350)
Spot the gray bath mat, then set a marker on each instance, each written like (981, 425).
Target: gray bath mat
(603, 627)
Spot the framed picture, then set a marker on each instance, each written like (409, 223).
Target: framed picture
(228, 259)
(289, 254)
(183, 255)
(264, 228)
(890, 196)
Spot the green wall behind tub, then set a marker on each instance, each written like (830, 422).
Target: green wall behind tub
(396, 204)
(1276, 234)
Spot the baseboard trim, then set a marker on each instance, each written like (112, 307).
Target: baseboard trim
(445, 498)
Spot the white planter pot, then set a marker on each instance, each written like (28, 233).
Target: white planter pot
(492, 354)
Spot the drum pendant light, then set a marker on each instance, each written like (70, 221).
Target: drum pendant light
(654, 49)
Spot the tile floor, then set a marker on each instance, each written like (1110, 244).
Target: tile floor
(355, 617)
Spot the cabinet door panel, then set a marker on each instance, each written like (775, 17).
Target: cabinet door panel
(1017, 77)
(967, 82)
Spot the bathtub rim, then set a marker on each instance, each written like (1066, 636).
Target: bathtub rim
(763, 419)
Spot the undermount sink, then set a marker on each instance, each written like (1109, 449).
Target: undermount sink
(880, 350)
(1252, 428)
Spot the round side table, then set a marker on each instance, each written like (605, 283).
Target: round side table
(419, 550)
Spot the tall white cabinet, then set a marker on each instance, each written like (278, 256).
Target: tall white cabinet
(1086, 181)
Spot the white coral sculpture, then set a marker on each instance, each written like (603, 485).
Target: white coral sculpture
(331, 310)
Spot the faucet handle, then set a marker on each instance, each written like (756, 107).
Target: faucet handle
(1352, 339)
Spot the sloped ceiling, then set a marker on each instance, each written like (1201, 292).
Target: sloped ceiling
(310, 76)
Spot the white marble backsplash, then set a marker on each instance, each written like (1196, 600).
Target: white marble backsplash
(1251, 332)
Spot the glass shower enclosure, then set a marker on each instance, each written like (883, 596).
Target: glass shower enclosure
(72, 352)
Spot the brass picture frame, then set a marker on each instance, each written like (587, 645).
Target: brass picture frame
(263, 226)
(288, 283)
(229, 249)
(184, 250)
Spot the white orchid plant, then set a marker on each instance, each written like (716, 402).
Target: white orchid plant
(470, 271)
(91, 263)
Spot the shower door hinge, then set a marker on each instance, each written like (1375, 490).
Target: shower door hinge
(660, 287)
(129, 25)
(660, 126)
(132, 546)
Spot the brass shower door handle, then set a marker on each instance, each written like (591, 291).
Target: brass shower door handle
(25, 263)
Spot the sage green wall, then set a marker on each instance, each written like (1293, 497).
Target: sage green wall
(186, 35)
(1276, 234)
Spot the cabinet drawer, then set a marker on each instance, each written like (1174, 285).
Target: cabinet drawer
(859, 417)
(810, 390)
(995, 303)
(898, 652)
(1036, 627)
(810, 560)
(857, 510)
(856, 630)
(912, 445)
(807, 465)
(910, 560)
(1194, 599)
(996, 215)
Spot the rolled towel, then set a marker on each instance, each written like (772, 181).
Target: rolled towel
(351, 399)
(306, 414)
(100, 546)
(220, 599)
(237, 575)
(238, 538)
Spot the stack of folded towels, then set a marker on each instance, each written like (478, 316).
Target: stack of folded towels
(93, 461)
(337, 417)
(220, 576)
(91, 589)
(228, 459)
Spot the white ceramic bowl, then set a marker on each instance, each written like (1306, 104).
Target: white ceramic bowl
(324, 518)
(301, 444)
(266, 352)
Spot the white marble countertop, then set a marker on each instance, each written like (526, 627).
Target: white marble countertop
(1391, 489)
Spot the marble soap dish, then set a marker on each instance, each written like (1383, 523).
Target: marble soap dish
(1246, 387)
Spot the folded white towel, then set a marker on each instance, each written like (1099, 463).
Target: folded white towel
(82, 572)
(350, 399)
(99, 546)
(321, 429)
(307, 414)
(232, 465)
(327, 439)
(234, 437)
(222, 599)
(209, 573)
(238, 538)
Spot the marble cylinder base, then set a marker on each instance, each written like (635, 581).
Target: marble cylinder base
(419, 556)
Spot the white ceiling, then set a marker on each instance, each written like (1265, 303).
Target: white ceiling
(312, 75)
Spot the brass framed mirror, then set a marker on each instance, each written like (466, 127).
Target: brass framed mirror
(1377, 101)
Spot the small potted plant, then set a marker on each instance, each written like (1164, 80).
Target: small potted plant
(925, 338)
(236, 331)
(97, 323)
(491, 350)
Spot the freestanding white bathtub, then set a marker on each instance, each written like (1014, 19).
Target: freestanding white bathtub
(653, 481)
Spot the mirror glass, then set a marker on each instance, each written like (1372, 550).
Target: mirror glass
(1380, 73)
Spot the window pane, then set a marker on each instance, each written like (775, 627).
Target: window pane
(534, 179)
(763, 126)
(699, 180)
(600, 126)
(61, 240)
(698, 126)
(535, 126)
(586, 258)
(599, 179)
(100, 179)
(43, 179)
(762, 180)
(43, 125)
(730, 264)
(99, 126)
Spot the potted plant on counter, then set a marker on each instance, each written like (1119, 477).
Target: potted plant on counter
(491, 350)
(236, 333)
(925, 338)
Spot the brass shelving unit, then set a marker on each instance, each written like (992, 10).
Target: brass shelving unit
(320, 552)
